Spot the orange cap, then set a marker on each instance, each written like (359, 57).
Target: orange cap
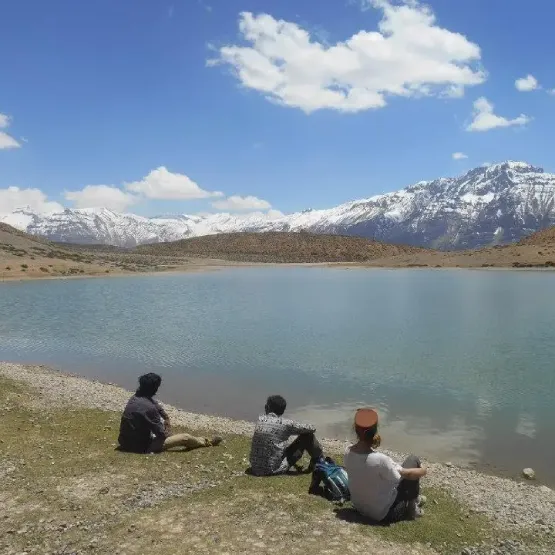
(366, 418)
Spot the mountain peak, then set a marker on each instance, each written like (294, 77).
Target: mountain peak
(515, 166)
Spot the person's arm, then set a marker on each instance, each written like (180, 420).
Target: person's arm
(161, 410)
(155, 425)
(165, 416)
(412, 473)
(296, 428)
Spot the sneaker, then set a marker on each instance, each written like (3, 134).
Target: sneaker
(421, 501)
(216, 440)
(413, 510)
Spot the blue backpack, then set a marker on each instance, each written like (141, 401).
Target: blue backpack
(330, 480)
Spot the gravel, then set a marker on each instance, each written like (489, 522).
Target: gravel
(516, 506)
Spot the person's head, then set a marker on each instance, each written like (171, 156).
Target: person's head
(148, 384)
(366, 427)
(275, 404)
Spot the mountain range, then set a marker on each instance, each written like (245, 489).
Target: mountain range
(489, 205)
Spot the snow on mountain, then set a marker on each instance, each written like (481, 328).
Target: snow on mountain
(488, 205)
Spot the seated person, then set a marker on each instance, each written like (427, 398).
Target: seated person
(270, 452)
(381, 489)
(145, 424)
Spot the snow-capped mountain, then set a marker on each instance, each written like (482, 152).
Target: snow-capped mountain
(500, 203)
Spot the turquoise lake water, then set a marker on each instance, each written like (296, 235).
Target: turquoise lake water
(461, 364)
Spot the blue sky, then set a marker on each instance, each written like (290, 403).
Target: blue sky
(229, 102)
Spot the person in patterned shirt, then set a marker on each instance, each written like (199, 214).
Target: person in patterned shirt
(271, 452)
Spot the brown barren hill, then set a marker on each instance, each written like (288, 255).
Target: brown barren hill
(545, 237)
(26, 256)
(535, 251)
(19, 239)
(280, 247)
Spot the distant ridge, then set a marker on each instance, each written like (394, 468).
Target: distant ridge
(282, 247)
(486, 206)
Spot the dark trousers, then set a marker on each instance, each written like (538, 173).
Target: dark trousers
(407, 493)
(304, 442)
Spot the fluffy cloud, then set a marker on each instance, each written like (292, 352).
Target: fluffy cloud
(101, 196)
(485, 119)
(13, 198)
(236, 203)
(163, 184)
(527, 84)
(158, 184)
(6, 141)
(459, 156)
(409, 55)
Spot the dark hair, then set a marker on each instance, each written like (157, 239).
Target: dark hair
(276, 404)
(148, 385)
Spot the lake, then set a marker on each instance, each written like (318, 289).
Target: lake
(459, 363)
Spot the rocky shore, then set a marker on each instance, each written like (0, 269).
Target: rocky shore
(521, 508)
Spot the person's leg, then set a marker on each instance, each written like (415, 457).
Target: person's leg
(188, 442)
(409, 490)
(304, 442)
(404, 507)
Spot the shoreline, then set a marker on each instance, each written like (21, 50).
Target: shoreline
(225, 265)
(512, 505)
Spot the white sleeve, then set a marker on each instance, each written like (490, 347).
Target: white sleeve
(389, 469)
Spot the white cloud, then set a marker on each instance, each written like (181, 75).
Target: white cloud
(409, 55)
(13, 198)
(4, 121)
(551, 91)
(485, 119)
(237, 203)
(6, 141)
(459, 156)
(527, 84)
(163, 184)
(101, 196)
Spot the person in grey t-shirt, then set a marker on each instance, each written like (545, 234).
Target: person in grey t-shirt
(271, 452)
(145, 424)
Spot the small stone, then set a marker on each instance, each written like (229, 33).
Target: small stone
(529, 473)
(449, 464)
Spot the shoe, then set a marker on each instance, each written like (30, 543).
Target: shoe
(216, 440)
(421, 500)
(414, 511)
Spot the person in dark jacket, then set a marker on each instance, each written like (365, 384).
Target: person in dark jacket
(145, 424)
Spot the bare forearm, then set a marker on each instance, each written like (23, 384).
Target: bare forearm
(413, 473)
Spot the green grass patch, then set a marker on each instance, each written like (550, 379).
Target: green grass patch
(66, 486)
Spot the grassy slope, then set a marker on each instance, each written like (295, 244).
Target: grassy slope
(65, 489)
